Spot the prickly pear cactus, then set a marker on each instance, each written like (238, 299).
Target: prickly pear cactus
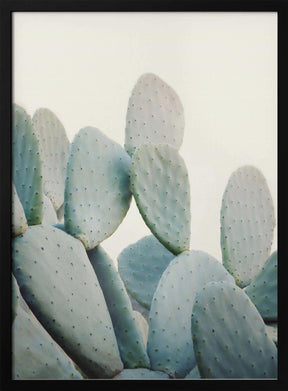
(53, 148)
(19, 222)
(170, 345)
(49, 213)
(97, 194)
(141, 266)
(26, 167)
(142, 325)
(160, 185)
(15, 297)
(263, 290)
(129, 338)
(155, 115)
(229, 335)
(35, 355)
(58, 283)
(247, 224)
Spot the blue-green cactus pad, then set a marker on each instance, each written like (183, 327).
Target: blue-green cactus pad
(160, 185)
(35, 355)
(53, 148)
(129, 338)
(247, 224)
(19, 222)
(142, 325)
(141, 265)
(170, 345)
(15, 297)
(26, 165)
(58, 283)
(97, 194)
(229, 335)
(49, 213)
(140, 374)
(155, 114)
(263, 290)
(193, 374)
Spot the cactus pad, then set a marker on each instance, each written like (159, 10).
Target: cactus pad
(19, 222)
(49, 213)
(35, 355)
(229, 335)
(97, 194)
(263, 290)
(58, 283)
(247, 224)
(141, 266)
(160, 185)
(170, 345)
(129, 338)
(26, 165)
(154, 115)
(53, 148)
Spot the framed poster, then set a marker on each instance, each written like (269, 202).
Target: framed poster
(150, 151)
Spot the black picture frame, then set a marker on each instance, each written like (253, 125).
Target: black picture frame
(10, 6)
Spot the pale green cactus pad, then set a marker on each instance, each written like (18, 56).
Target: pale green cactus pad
(141, 265)
(53, 148)
(247, 224)
(19, 222)
(129, 338)
(142, 325)
(139, 307)
(35, 355)
(193, 374)
(229, 335)
(160, 185)
(15, 297)
(58, 283)
(155, 114)
(49, 213)
(263, 289)
(26, 165)
(272, 331)
(140, 374)
(97, 194)
(170, 345)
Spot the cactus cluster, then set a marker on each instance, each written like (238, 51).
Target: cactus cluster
(161, 310)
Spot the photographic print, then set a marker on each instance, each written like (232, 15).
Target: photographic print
(144, 195)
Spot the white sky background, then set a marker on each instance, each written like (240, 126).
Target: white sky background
(223, 66)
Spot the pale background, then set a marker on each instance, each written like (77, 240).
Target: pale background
(83, 66)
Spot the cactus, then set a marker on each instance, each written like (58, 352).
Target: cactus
(142, 325)
(129, 338)
(155, 115)
(49, 213)
(160, 185)
(26, 167)
(247, 224)
(229, 335)
(170, 345)
(194, 374)
(77, 320)
(58, 283)
(140, 374)
(97, 195)
(263, 289)
(141, 266)
(15, 297)
(19, 222)
(35, 355)
(53, 149)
